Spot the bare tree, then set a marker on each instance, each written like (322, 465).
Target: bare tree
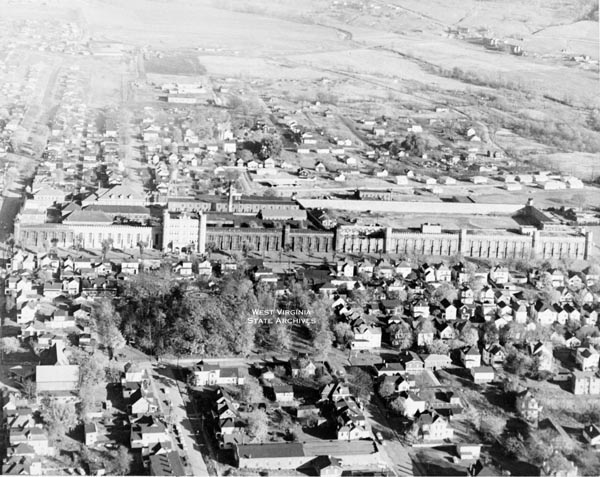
(107, 245)
(10, 344)
(142, 246)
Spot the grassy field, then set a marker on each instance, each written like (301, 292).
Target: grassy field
(374, 57)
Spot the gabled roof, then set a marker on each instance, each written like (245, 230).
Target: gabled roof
(166, 464)
(54, 356)
(283, 389)
(592, 431)
(471, 351)
(86, 217)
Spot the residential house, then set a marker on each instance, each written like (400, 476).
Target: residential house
(436, 361)
(283, 393)
(328, 289)
(556, 277)
(576, 280)
(499, 275)
(213, 374)
(428, 273)
(442, 272)
(544, 313)
(470, 357)
(403, 269)
(571, 340)
(589, 315)
(90, 434)
(135, 374)
(141, 402)
(130, 267)
(412, 403)
(398, 383)
(366, 337)
(528, 406)
(519, 311)
(566, 295)
(384, 269)
(392, 307)
(486, 310)
(413, 364)
(302, 367)
(487, 295)
(345, 269)
(365, 267)
(61, 318)
(466, 295)
(561, 314)
(72, 286)
(27, 313)
(468, 452)
(432, 427)
(573, 313)
(320, 168)
(204, 268)
(34, 437)
(167, 464)
(334, 391)
(389, 369)
(351, 421)
(460, 274)
(482, 374)
(325, 466)
(425, 331)
(587, 359)
(445, 331)
(592, 275)
(183, 268)
(591, 433)
(494, 355)
(544, 353)
(585, 382)
(449, 310)
(420, 308)
(466, 312)
(504, 309)
(146, 431)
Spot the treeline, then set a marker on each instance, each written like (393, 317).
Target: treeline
(557, 133)
(580, 136)
(160, 315)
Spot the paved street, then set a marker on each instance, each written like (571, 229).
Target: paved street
(9, 207)
(394, 452)
(163, 378)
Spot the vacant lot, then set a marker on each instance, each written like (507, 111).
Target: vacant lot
(187, 65)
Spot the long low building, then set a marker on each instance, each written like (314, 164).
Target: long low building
(355, 455)
(88, 234)
(237, 204)
(183, 230)
(56, 379)
(411, 207)
(519, 232)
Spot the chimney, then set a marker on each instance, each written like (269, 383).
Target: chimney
(230, 198)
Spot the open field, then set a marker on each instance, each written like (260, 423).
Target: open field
(343, 37)
(199, 25)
